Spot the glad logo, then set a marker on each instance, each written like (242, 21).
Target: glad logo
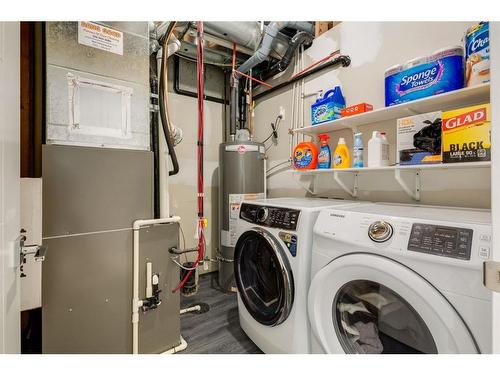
(469, 118)
(242, 149)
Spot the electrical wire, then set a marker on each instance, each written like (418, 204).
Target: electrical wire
(201, 221)
(277, 123)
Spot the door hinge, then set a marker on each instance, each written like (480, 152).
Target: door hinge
(491, 275)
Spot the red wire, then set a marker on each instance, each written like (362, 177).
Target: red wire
(254, 79)
(234, 56)
(200, 84)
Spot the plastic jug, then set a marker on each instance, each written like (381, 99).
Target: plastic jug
(328, 107)
(324, 156)
(305, 156)
(378, 150)
(341, 158)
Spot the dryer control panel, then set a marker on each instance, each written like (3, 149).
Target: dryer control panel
(441, 240)
(273, 217)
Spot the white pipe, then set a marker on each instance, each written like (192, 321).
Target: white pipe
(149, 280)
(190, 309)
(163, 153)
(182, 346)
(136, 303)
(265, 177)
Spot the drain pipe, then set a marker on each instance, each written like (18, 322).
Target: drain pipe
(136, 302)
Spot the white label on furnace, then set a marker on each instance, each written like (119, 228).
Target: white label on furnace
(104, 38)
(234, 213)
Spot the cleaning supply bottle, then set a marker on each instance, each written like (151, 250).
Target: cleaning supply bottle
(327, 107)
(358, 151)
(324, 156)
(305, 156)
(341, 158)
(378, 150)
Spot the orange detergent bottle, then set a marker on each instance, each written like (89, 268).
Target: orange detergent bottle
(305, 156)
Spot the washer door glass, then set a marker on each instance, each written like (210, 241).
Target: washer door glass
(263, 277)
(372, 318)
(367, 303)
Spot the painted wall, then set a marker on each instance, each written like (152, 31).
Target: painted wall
(373, 47)
(183, 186)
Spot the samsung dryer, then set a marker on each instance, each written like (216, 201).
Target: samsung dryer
(272, 263)
(392, 278)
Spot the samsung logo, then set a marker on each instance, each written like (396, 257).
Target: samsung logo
(337, 215)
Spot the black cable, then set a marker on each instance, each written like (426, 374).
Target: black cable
(274, 133)
(164, 122)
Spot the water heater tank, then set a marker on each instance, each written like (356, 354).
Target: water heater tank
(241, 177)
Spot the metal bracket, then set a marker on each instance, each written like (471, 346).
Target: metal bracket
(39, 251)
(352, 192)
(413, 192)
(491, 275)
(305, 185)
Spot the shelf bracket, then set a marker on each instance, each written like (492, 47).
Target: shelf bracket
(352, 192)
(413, 192)
(306, 185)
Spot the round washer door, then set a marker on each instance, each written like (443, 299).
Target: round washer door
(365, 303)
(263, 277)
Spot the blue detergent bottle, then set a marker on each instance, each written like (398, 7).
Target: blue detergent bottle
(324, 156)
(328, 107)
(358, 151)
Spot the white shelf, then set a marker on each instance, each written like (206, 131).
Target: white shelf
(470, 165)
(350, 186)
(454, 99)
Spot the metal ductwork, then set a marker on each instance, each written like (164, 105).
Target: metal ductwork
(301, 38)
(246, 34)
(271, 33)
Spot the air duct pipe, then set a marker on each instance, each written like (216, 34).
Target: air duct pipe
(259, 56)
(246, 35)
(302, 37)
(271, 33)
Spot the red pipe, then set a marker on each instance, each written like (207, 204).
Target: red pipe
(201, 219)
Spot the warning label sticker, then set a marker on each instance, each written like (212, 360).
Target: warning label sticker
(93, 35)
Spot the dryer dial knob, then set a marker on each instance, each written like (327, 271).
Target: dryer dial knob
(380, 231)
(262, 214)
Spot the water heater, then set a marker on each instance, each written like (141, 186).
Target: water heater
(241, 177)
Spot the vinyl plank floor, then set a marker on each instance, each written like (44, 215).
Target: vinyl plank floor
(217, 331)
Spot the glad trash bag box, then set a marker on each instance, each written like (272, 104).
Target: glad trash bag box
(466, 134)
(440, 72)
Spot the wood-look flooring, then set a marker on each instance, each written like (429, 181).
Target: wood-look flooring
(217, 331)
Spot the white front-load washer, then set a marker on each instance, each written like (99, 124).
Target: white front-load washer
(400, 279)
(272, 261)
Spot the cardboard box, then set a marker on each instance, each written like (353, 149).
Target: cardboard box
(466, 134)
(356, 109)
(419, 139)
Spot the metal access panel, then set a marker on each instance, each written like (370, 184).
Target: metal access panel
(94, 189)
(87, 292)
(98, 96)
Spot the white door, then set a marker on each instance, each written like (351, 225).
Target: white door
(364, 303)
(9, 188)
(495, 168)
